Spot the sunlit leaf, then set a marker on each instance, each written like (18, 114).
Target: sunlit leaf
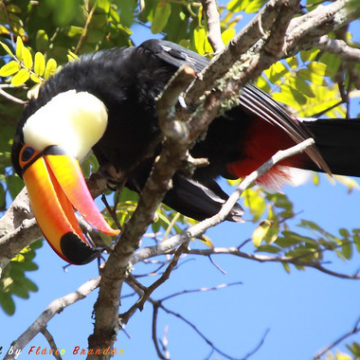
(260, 232)
(6, 48)
(39, 66)
(161, 17)
(27, 58)
(19, 48)
(227, 35)
(50, 68)
(20, 78)
(255, 202)
(10, 68)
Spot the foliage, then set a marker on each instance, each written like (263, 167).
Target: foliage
(13, 281)
(38, 37)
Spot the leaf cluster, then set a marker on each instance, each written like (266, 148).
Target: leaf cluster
(14, 282)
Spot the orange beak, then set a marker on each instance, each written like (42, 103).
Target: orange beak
(56, 187)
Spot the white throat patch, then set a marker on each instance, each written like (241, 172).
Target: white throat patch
(75, 121)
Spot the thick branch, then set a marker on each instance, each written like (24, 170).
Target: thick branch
(307, 28)
(158, 183)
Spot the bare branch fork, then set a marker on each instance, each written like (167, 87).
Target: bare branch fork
(159, 304)
(39, 325)
(172, 154)
(179, 241)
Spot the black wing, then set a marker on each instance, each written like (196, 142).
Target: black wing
(252, 99)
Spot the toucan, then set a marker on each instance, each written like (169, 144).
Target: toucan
(105, 102)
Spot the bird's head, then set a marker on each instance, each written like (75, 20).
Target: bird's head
(46, 153)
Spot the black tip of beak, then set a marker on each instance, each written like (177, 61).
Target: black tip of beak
(76, 251)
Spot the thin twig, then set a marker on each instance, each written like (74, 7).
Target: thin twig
(214, 288)
(11, 97)
(159, 304)
(154, 332)
(85, 29)
(165, 276)
(265, 258)
(353, 331)
(213, 22)
(51, 341)
(198, 229)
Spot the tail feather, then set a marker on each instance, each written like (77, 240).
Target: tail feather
(338, 141)
(198, 201)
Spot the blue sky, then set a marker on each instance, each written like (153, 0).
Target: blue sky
(303, 311)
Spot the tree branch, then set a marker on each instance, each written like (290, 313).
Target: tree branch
(158, 183)
(265, 258)
(54, 308)
(353, 331)
(337, 47)
(261, 24)
(158, 304)
(311, 26)
(148, 291)
(213, 22)
(198, 229)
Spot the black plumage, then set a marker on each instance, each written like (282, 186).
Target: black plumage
(128, 80)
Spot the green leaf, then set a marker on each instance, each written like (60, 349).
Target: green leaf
(254, 6)
(228, 35)
(255, 202)
(356, 239)
(272, 249)
(236, 5)
(7, 303)
(42, 40)
(262, 84)
(276, 72)
(304, 87)
(27, 58)
(10, 68)
(347, 249)
(260, 232)
(332, 61)
(75, 31)
(19, 48)
(309, 55)
(300, 238)
(318, 72)
(6, 48)
(161, 16)
(20, 78)
(50, 68)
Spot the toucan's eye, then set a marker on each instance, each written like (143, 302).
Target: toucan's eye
(27, 156)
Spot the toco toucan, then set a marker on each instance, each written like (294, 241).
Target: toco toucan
(105, 102)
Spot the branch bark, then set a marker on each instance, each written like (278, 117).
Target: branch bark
(213, 22)
(54, 308)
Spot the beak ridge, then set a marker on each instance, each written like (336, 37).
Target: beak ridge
(56, 185)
